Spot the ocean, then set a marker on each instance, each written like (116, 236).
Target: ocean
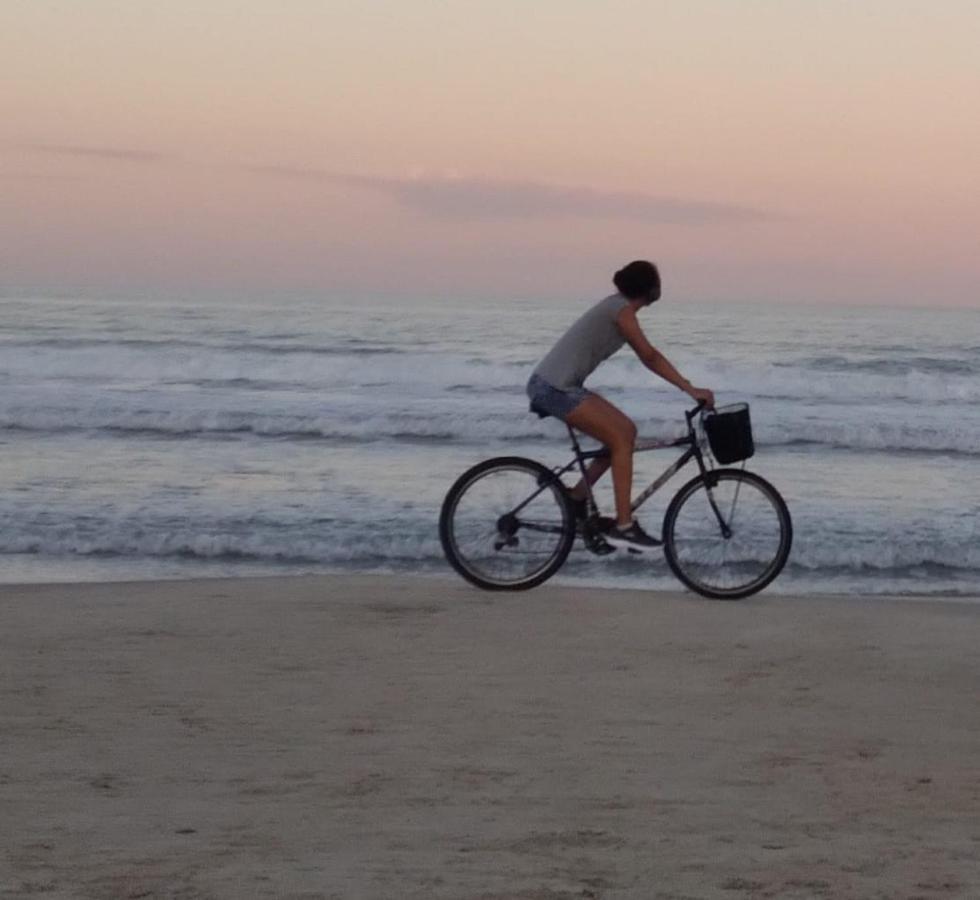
(176, 439)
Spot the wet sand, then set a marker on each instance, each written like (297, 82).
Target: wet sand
(380, 737)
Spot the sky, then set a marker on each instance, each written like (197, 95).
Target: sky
(776, 150)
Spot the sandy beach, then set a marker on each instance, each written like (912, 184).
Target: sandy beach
(382, 737)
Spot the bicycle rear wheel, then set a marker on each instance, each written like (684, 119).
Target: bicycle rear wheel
(507, 524)
(732, 565)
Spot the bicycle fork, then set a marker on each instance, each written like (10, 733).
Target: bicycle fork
(726, 531)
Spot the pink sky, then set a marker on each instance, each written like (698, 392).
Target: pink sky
(794, 150)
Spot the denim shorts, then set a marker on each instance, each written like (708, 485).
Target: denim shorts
(548, 400)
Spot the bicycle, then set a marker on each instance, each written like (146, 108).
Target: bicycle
(509, 523)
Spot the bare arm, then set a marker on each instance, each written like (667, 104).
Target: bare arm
(654, 360)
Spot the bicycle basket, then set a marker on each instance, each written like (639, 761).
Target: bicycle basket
(729, 431)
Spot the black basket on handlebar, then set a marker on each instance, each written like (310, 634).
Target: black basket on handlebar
(729, 431)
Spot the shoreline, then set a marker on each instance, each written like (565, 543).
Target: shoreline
(557, 582)
(373, 737)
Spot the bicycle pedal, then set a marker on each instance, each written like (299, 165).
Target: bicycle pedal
(634, 551)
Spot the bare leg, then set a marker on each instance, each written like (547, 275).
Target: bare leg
(598, 418)
(593, 472)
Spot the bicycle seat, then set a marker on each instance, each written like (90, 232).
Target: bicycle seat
(540, 412)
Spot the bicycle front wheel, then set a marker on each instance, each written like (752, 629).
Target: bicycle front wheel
(507, 524)
(727, 534)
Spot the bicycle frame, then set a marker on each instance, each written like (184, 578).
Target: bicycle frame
(693, 451)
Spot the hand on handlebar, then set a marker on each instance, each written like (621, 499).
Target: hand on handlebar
(703, 396)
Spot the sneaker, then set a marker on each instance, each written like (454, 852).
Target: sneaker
(597, 544)
(632, 537)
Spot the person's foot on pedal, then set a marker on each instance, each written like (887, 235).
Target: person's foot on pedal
(631, 536)
(597, 544)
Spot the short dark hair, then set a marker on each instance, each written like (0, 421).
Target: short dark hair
(638, 280)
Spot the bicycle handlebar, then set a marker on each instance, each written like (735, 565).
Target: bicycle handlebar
(690, 414)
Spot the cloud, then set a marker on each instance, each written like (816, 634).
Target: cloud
(484, 198)
(108, 153)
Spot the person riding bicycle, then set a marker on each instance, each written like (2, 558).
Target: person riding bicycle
(556, 388)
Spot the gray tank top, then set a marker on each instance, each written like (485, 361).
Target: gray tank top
(593, 337)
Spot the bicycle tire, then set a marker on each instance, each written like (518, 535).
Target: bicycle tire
(540, 475)
(682, 569)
